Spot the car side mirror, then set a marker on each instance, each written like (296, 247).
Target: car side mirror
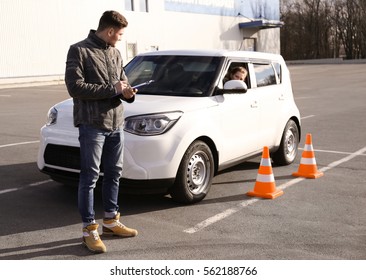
(234, 86)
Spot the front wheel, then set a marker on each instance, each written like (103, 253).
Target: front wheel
(194, 175)
(287, 151)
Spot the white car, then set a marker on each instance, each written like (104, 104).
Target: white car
(185, 125)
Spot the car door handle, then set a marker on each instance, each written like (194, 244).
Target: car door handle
(254, 104)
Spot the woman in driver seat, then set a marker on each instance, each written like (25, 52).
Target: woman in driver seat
(236, 73)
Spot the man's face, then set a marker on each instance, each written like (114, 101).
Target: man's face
(114, 35)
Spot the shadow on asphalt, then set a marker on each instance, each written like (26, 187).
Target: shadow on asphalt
(70, 247)
(52, 205)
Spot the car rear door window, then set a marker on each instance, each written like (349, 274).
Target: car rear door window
(277, 67)
(264, 74)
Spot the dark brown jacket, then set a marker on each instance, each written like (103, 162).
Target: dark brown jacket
(92, 69)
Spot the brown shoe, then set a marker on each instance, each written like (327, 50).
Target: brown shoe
(114, 227)
(91, 239)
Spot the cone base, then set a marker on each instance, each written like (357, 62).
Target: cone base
(273, 195)
(308, 176)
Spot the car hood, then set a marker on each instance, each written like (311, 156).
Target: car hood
(65, 106)
(148, 104)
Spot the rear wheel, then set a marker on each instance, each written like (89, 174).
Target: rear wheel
(287, 151)
(194, 175)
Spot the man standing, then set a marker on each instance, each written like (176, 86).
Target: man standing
(95, 79)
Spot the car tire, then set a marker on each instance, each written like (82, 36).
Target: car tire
(287, 151)
(195, 173)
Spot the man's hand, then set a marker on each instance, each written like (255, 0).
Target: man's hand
(125, 89)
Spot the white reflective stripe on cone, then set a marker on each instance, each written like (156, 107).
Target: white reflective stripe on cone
(265, 178)
(308, 161)
(308, 147)
(266, 162)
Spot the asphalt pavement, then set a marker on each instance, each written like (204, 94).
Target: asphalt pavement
(315, 219)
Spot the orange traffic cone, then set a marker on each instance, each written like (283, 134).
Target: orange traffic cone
(265, 186)
(308, 168)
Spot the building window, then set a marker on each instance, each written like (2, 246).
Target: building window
(248, 44)
(131, 50)
(129, 5)
(154, 48)
(144, 7)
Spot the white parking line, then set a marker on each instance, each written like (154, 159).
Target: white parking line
(17, 144)
(305, 97)
(241, 206)
(334, 152)
(307, 117)
(27, 186)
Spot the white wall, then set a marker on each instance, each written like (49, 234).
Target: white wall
(181, 30)
(36, 34)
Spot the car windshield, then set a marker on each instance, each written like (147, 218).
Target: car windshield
(173, 75)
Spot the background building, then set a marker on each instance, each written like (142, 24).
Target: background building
(36, 34)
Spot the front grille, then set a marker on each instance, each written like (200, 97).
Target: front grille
(63, 156)
(69, 157)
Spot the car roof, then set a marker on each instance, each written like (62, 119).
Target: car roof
(218, 53)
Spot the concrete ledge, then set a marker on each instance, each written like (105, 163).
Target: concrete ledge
(31, 81)
(326, 61)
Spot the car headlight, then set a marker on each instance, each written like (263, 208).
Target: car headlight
(51, 116)
(151, 124)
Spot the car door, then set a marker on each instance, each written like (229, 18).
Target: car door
(270, 101)
(239, 124)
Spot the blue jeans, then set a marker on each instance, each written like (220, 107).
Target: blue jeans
(99, 146)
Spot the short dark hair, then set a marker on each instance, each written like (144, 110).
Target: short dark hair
(112, 19)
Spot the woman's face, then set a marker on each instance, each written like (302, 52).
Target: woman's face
(238, 76)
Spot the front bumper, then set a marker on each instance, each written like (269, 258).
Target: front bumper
(158, 186)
